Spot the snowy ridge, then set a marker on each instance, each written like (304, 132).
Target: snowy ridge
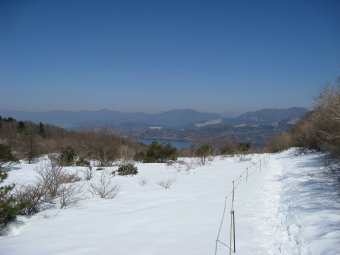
(286, 207)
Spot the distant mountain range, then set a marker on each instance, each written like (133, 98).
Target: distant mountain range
(257, 127)
(69, 119)
(183, 118)
(267, 116)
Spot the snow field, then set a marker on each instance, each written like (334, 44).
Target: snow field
(281, 209)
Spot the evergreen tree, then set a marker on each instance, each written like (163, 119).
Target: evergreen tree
(9, 207)
(21, 126)
(6, 154)
(157, 152)
(42, 130)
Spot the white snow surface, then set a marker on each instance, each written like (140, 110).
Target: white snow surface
(285, 206)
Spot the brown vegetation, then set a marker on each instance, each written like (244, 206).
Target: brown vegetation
(29, 141)
(319, 130)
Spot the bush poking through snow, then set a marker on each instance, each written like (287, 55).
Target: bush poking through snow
(32, 197)
(6, 154)
(3, 175)
(105, 189)
(52, 177)
(127, 169)
(53, 184)
(187, 166)
(166, 184)
(88, 173)
(69, 195)
(243, 158)
(143, 181)
(67, 156)
(9, 206)
(83, 162)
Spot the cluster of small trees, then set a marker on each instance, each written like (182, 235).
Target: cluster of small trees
(222, 146)
(320, 130)
(29, 141)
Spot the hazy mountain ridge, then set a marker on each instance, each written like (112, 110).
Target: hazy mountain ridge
(267, 116)
(180, 118)
(257, 127)
(71, 119)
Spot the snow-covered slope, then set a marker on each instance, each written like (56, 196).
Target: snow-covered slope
(284, 206)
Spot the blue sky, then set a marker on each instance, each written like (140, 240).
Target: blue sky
(214, 56)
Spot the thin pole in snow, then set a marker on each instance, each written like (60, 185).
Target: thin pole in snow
(234, 231)
(231, 219)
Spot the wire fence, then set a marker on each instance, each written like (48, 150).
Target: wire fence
(248, 171)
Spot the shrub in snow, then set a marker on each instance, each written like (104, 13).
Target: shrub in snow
(83, 162)
(32, 197)
(3, 175)
(9, 205)
(6, 154)
(52, 177)
(69, 195)
(166, 184)
(243, 158)
(104, 188)
(143, 181)
(127, 169)
(67, 156)
(187, 166)
(88, 173)
(53, 185)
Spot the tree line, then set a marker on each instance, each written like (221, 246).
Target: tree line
(319, 130)
(30, 141)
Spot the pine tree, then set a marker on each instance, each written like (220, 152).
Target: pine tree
(9, 206)
(42, 130)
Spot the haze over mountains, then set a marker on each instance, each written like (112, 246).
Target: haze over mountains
(182, 118)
